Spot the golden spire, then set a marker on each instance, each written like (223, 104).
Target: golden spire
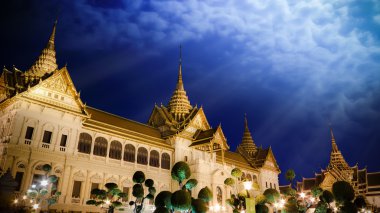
(338, 165)
(179, 104)
(46, 62)
(247, 144)
(333, 143)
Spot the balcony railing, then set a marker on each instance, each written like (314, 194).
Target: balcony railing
(45, 145)
(28, 141)
(62, 148)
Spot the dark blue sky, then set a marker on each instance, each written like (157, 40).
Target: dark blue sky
(293, 66)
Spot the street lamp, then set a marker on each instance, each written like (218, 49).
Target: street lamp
(302, 195)
(44, 183)
(247, 186)
(35, 206)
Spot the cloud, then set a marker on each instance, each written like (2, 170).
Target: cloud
(376, 19)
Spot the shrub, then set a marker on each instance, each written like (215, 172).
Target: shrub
(316, 191)
(161, 209)
(198, 206)
(149, 182)
(261, 208)
(327, 197)
(180, 171)
(343, 191)
(236, 172)
(359, 202)
(260, 199)
(271, 195)
(205, 194)
(111, 186)
(163, 199)
(138, 191)
(138, 177)
(191, 183)
(181, 200)
(229, 182)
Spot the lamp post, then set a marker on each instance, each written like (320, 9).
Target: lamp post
(247, 186)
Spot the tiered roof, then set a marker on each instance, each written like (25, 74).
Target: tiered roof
(46, 62)
(179, 104)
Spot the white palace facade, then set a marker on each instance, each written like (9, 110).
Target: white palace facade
(44, 121)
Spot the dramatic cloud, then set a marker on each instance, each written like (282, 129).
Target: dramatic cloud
(294, 66)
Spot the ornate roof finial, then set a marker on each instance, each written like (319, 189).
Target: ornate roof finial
(179, 104)
(46, 62)
(333, 143)
(179, 81)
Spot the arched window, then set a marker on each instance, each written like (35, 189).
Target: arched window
(100, 147)
(84, 144)
(242, 178)
(154, 159)
(142, 156)
(115, 150)
(165, 161)
(129, 153)
(249, 177)
(219, 195)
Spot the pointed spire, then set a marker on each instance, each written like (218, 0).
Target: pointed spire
(46, 62)
(179, 104)
(338, 165)
(179, 81)
(333, 143)
(247, 143)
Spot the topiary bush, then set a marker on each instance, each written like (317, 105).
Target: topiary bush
(181, 200)
(271, 195)
(327, 197)
(261, 208)
(138, 177)
(198, 206)
(190, 184)
(113, 194)
(343, 192)
(359, 202)
(180, 171)
(316, 191)
(138, 190)
(229, 182)
(236, 172)
(260, 199)
(163, 199)
(205, 194)
(161, 209)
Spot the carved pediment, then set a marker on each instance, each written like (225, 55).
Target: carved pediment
(328, 181)
(57, 90)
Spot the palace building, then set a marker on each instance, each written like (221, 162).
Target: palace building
(365, 183)
(44, 121)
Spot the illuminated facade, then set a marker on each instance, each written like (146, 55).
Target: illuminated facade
(44, 121)
(365, 183)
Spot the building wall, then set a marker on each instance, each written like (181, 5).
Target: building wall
(27, 156)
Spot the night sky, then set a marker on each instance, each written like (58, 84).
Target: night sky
(293, 66)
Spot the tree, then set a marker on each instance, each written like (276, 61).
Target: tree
(237, 200)
(290, 175)
(359, 202)
(40, 194)
(110, 197)
(326, 197)
(181, 200)
(343, 192)
(138, 190)
(271, 195)
(316, 191)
